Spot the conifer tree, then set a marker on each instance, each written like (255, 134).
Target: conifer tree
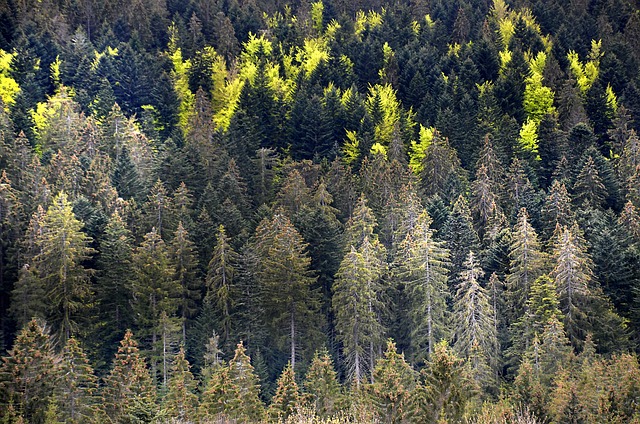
(63, 247)
(155, 293)
(183, 257)
(589, 191)
(460, 235)
(356, 299)
(423, 263)
(484, 203)
(221, 281)
(159, 210)
(474, 333)
(557, 208)
(392, 384)
(29, 374)
(287, 397)
(180, 402)
(285, 274)
(76, 390)
(129, 394)
(321, 387)
(442, 172)
(114, 283)
(526, 263)
(444, 387)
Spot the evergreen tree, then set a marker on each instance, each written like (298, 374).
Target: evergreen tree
(474, 332)
(484, 204)
(392, 385)
(526, 263)
(287, 397)
(183, 256)
(29, 374)
(557, 208)
(114, 284)
(285, 274)
(75, 393)
(459, 234)
(442, 172)
(423, 265)
(129, 394)
(356, 298)
(63, 247)
(221, 284)
(180, 402)
(321, 388)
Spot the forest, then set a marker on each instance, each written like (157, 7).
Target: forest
(229, 211)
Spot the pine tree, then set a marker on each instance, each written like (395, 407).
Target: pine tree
(180, 402)
(29, 374)
(321, 387)
(159, 210)
(221, 284)
(63, 247)
(526, 263)
(356, 301)
(484, 203)
(441, 172)
(474, 333)
(423, 265)
(183, 256)
(129, 394)
(557, 209)
(285, 274)
(393, 383)
(287, 398)
(76, 391)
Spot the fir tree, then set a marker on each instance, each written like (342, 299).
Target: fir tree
(589, 191)
(28, 374)
(474, 332)
(129, 394)
(392, 384)
(76, 391)
(285, 274)
(180, 402)
(459, 234)
(321, 387)
(287, 397)
(221, 284)
(423, 265)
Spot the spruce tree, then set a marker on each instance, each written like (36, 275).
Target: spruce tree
(76, 390)
(474, 333)
(392, 384)
(285, 275)
(221, 282)
(129, 394)
(589, 191)
(423, 265)
(460, 235)
(287, 397)
(526, 263)
(180, 402)
(322, 390)
(28, 374)
(63, 247)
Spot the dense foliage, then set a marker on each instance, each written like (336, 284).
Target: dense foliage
(378, 211)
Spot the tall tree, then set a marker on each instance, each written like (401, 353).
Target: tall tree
(181, 402)
(63, 248)
(221, 281)
(474, 332)
(321, 387)
(423, 265)
(459, 234)
(284, 271)
(287, 397)
(356, 298)
(526, 263)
